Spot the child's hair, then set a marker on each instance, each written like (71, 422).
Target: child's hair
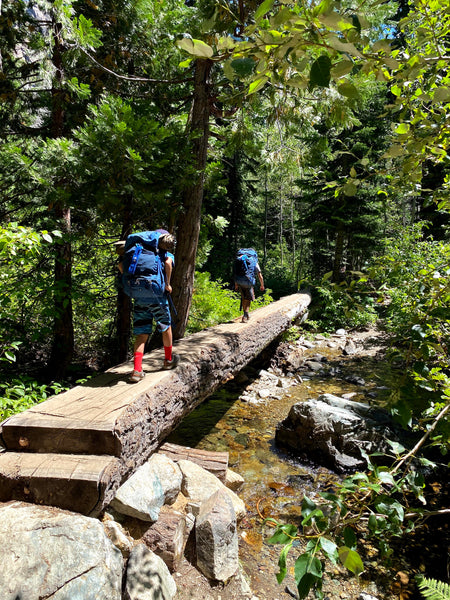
(167, 242)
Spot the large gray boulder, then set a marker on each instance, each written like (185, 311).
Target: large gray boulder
(46, 552)
(333, 430)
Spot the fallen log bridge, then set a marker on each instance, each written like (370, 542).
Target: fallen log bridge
(75, 449)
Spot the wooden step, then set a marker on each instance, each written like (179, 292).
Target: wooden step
(78, 483)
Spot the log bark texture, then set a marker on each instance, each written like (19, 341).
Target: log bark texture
(167, 537)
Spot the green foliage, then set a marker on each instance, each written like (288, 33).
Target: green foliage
(22, 393)
(414, 282)
(291, 335)
(348, 304)
(432, 589)
(213, 303)
(375, 504)
(22, 281)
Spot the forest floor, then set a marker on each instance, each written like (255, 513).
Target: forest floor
(420, 552)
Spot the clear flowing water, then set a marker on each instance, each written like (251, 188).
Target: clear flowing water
(274, 481)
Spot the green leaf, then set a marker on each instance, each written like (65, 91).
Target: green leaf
(308, 506)
(195, 47)
(243, 66)
(305, 584)
(402, 128)
(319, 75)
(342, 68)
(351, 560)
(47, 237)
(348, 90)
(185, 63)
(441, 94)
(263, 9)
(350, 537)
(257, 85)
(283, 534)
(329, 547)
(282, 563)
(350, 189)
(344, 47)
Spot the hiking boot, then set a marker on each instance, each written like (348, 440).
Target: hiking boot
(171, 364)
(245, 318)
(136, 376)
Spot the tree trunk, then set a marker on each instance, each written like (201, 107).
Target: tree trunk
(63, 334)
(266, 214)
(189, 222)
(123, 316)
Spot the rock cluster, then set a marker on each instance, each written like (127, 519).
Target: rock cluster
(135, 549)
(333, 430)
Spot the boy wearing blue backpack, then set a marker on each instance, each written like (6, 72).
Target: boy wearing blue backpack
(146, 270)
(245, 271)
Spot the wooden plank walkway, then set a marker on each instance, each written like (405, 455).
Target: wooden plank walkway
(74, 450)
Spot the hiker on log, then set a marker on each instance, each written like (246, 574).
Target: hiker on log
(146, 264)
(245, 271)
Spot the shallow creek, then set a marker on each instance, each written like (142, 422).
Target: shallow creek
(237, 420)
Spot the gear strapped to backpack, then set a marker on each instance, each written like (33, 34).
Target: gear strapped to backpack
(244, 267)
(143, 268)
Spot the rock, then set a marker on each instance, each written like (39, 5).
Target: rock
(295, 358)
(355, 379)
(332, 430)
(233, 480)
(51, 553)
(116, 534)
(263, 374)
(364, 596)
(265, 393)
(308, 344)
(350, 348)
(216, 538)
(199, 485)
(341, 332)
(143, 494)
(148, 578)
(169, 474)
(313, 365)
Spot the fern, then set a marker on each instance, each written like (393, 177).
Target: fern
(431, 589)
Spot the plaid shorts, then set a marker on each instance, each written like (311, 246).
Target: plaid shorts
(247, 292)
(144, 314)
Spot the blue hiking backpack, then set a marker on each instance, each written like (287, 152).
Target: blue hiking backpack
(244, 266)
(143, 266)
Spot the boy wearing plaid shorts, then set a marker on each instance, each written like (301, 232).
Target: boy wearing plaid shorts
(155, 309)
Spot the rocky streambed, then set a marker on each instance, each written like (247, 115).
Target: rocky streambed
(243, 419)
(137, 550)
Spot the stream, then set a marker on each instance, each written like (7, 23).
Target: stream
(241, 418)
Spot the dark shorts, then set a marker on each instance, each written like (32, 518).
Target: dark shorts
(247, 292)
(144, 314)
